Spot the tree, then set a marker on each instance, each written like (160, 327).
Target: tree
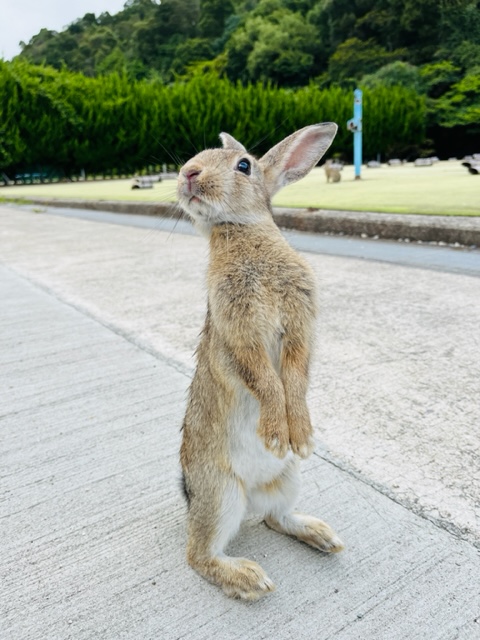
(438, 77)
(461, 104)
(279, 47)
(334, 21)
(213, 17)
(460, 22)
(355, 58)
(12, 147)
(169, 24)
(114, 62)
(417, 27)
(396, 73)
(191, 51)
(466, 55)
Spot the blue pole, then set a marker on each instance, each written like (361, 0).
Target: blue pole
(357, 135)
(355, 125)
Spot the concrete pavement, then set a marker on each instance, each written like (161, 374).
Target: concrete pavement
(98, 324)
(396, 374)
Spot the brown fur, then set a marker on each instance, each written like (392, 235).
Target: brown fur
(254, 352)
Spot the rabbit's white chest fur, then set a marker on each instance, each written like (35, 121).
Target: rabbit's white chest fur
(251, 461)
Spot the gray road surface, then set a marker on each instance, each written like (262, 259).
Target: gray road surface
(438, 257)
(98, 326)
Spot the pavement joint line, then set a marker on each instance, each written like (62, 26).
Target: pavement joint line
(439, 523)
(171, 362)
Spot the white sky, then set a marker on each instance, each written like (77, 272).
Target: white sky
(22, 19)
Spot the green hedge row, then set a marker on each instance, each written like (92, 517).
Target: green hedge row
(68, 122)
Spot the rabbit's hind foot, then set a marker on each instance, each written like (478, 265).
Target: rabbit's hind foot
(308, 529)
(238, 577)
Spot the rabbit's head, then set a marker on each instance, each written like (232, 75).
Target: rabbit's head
(230, 185)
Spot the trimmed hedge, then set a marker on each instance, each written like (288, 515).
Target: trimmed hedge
(69, 123)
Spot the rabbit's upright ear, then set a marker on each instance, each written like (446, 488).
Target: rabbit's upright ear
(229, 142)
(294, 157)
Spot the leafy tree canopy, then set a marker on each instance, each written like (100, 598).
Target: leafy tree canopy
(461, 105)
(396, 74)
(274, 43)
(289, 42)
(429, 46)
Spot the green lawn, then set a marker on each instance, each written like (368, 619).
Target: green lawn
(445, 188)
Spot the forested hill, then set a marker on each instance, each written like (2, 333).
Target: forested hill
(290, 42)
(191, 68)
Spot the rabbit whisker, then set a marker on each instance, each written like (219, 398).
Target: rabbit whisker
(269, 135)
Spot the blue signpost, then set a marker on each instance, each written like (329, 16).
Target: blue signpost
(355, 125)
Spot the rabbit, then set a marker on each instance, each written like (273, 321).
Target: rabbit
(332, 171)
(247, 423)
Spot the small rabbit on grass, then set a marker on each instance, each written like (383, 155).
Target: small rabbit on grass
(247, 423)
(332, 171)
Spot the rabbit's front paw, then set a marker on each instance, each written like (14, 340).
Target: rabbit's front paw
(275, 438)
(303, 448)
(301, 437)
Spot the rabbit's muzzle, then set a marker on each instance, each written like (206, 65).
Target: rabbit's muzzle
(191, 176)
(188, 185)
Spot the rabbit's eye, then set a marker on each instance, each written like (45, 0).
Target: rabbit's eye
(244, 166)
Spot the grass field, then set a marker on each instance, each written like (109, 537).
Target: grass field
(445, 188)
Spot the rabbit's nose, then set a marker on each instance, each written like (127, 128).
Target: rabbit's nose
(191, 174)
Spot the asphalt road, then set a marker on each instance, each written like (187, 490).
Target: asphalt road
(456, 259)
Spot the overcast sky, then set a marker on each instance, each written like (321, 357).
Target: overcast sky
(22, 19)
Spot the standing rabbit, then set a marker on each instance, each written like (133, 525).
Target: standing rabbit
(247, 422)
(332, 171)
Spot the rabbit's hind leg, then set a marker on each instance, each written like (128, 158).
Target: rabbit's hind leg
(276, 501)
(312, 531)
(211, 527)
